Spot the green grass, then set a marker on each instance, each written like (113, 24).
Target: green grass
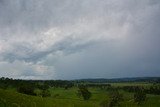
(12, 99)
(132, 84)
(68, 98)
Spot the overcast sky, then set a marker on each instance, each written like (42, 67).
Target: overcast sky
(73, 39)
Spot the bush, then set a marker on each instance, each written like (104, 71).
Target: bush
(139, 97)
(26, 89)
(154, 89)
(46, 93)
(84, 92)
(43, 87)
(114, 98)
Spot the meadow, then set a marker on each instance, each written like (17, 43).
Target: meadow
(61, 97)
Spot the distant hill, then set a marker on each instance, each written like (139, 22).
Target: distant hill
(93, 80)
(134, 79)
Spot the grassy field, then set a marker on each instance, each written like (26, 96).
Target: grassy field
(144, 84)
(68, 98)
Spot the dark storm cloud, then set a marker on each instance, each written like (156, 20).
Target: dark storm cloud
(79, 39)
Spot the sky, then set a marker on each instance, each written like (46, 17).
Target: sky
(74, 39)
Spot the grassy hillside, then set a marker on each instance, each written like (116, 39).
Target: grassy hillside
(68, 98)
(14, 99)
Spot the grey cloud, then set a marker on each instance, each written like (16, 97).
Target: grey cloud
(25, 52)
(80, 39)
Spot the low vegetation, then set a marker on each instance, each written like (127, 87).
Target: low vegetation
(84, 92)
(29, 93)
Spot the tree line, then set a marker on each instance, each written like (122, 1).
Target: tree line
(29, 86)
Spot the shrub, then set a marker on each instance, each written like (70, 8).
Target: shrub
(43, 87)
(84, 92)
(114, 98)
(26, 89)
(139, 97)
(45, 93)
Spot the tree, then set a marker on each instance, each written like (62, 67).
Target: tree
(139, 96)
(45, 93)
(84, 92)
(44, 90)
(43, 87)
(114, 98)
(26, 89)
